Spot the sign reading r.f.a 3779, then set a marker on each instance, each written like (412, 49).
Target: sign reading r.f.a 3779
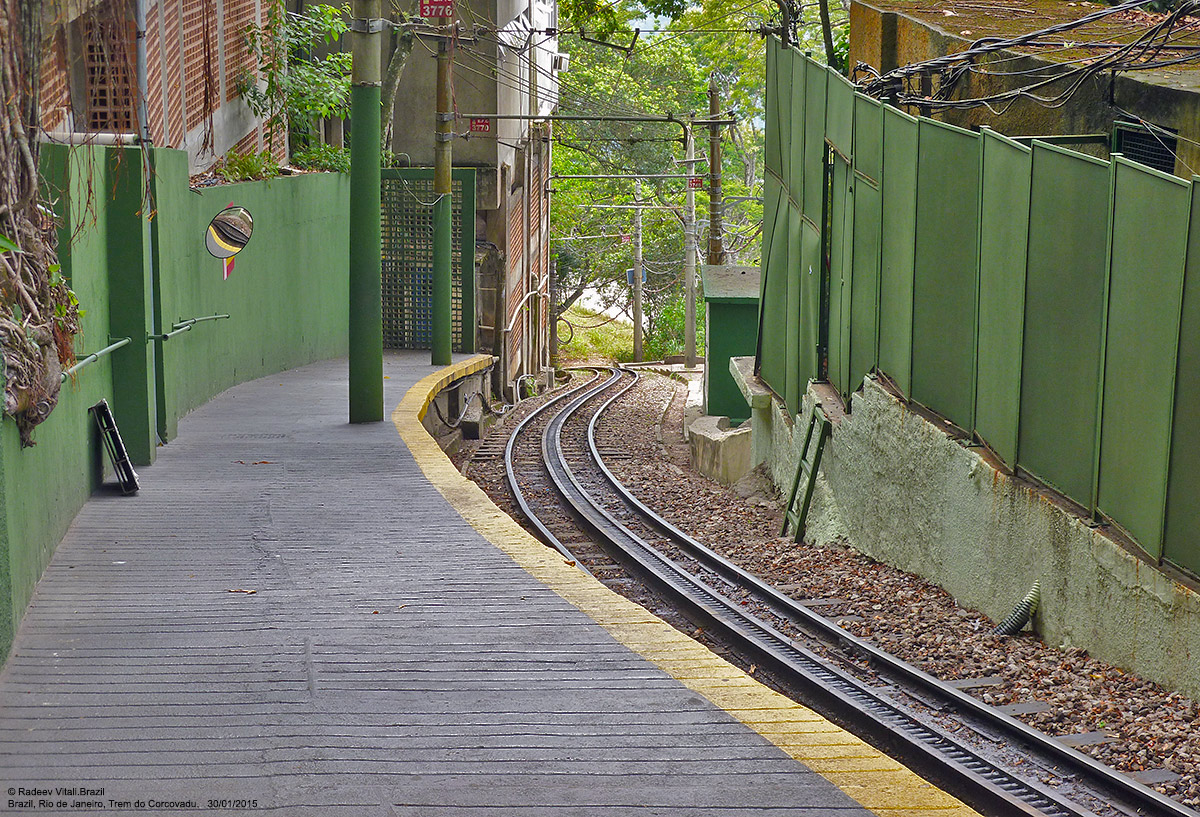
(436, 8)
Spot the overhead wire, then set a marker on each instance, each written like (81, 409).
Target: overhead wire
(951, 68)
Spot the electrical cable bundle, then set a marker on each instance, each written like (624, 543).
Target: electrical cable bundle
(1142, 53)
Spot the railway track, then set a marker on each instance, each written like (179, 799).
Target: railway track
(555, 470)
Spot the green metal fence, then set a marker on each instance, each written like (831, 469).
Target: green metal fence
(407, 234)
(1045, 302)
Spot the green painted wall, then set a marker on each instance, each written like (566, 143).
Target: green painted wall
(44, 486)
(287, 298)
(288, 293)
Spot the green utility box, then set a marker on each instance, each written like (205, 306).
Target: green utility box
(731, 315)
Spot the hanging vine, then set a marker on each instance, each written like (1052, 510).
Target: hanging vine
(39, 315)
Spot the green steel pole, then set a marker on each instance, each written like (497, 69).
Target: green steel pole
(366, 297)
(440, 320)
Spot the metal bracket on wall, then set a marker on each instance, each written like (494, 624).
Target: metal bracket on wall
(806, 471)
(370, 25)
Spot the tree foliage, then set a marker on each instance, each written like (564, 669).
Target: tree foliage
(665, 72)
(292, 87)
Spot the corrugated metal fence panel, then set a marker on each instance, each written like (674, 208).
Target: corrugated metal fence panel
(1145, 286)
(771, 146)
(1004, 226)
(839, 127)
(944, 271)
(801, 325)
(868, 212)
(1064, 308)
(795, 383)
(773, 362)
(896, 246)
(1181, 542)
(841, 260)
(809, 270)
(814, 140)
(783, 80)
(839, 105)
(796, 179)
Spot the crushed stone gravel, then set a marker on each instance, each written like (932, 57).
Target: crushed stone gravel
(1149, 728)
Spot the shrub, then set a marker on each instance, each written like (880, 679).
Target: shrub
(323, 157)
(241, 167)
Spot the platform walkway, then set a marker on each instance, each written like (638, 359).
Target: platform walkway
(291, 614)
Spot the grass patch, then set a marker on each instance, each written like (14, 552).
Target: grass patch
(596, 338)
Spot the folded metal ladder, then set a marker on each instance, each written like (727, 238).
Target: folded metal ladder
(806, 471)
(126, 476)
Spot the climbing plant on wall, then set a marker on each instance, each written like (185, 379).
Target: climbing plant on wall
(293, 87)
(39, 314)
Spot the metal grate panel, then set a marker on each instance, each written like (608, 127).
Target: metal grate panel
(108, 70)
(407, 275)
(1153, 148)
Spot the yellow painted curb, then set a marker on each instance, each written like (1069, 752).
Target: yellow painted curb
(864, 773)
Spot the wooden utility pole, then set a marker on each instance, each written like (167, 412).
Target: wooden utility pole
(637, 272)
(441, 328)
(716, 244)
(366, 296)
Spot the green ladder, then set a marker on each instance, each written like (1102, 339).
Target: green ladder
(806, 470)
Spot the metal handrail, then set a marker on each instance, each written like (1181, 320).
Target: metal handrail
(184, 326)
(94, 356)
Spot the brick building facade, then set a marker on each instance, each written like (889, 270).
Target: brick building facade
(196, 52)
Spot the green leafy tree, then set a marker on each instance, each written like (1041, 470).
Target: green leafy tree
(292, 87)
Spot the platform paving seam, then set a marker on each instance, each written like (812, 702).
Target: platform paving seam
(289, 612)
(883, 787)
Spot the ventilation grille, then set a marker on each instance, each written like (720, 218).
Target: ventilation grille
(107, 65)
(1151, 147)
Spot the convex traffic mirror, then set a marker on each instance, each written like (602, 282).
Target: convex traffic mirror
(229, 232)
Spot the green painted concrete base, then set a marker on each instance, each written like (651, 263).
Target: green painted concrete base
(135, 276)
(898, 489)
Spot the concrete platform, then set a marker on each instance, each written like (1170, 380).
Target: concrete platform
(304, 617)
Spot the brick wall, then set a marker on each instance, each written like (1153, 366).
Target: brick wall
(172, 68)
(238, 60)
(54, 98)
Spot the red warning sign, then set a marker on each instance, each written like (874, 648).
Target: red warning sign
(481, 125)
(437, 8)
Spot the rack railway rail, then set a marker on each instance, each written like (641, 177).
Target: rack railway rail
(556, 472)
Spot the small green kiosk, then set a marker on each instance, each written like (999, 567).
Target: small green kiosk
(731, 330)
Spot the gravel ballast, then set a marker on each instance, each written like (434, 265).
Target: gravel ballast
(1150, 729)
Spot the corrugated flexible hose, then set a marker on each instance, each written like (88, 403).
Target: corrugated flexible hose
(1020, 615)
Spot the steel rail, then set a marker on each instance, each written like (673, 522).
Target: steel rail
(1134, 794)
(971, 775)
(514, 487)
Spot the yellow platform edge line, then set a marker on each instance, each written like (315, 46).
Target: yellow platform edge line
(864, 773)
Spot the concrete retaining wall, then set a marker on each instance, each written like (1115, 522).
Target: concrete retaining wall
(902, 491)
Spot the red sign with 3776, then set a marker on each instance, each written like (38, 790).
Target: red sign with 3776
(437, 8)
